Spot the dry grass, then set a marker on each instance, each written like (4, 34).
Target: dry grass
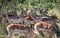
(54, 12)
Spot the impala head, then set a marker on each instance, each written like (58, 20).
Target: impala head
(29, 18)
(54, 17)
(4, 14)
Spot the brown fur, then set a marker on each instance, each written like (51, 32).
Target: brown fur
(44, 24)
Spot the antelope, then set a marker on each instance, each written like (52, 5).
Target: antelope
(6, 17)
(21, 29)
(42, 26)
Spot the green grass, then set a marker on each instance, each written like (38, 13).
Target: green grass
(2, 36)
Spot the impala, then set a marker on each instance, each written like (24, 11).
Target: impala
(42, 26)
(21, 29)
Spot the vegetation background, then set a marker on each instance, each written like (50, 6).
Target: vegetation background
(53, 5)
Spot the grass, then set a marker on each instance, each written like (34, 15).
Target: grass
(2, 36)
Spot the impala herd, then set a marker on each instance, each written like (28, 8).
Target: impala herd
(32, 26)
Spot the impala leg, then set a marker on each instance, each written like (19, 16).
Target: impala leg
(30, 35)
(55, 35)
(10, 33)
(50, 36)
(9, 36)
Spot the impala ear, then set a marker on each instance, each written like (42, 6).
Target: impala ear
(54, 17)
